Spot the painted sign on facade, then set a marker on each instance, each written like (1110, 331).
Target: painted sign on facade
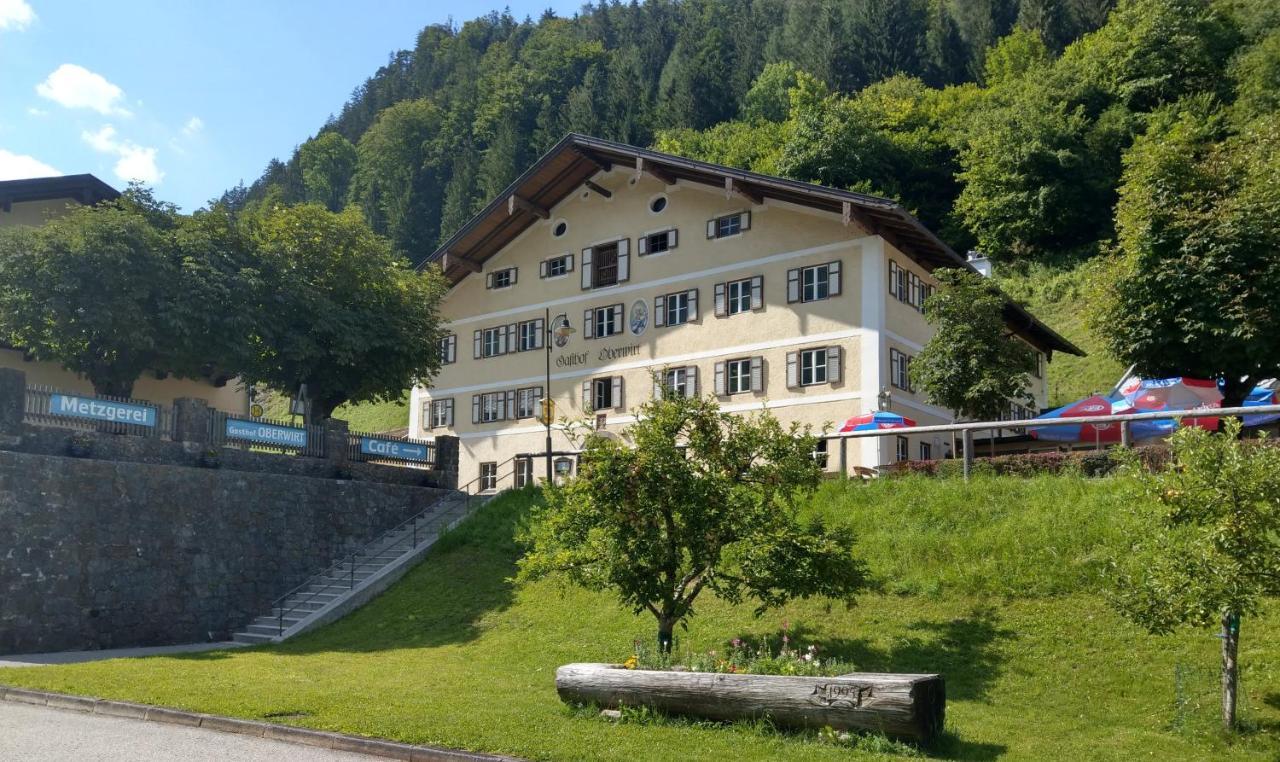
(266, 433)
(390, 448)
(102, 410)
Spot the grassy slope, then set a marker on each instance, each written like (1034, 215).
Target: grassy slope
(1056, 296)
(366, 416)
(456, 655)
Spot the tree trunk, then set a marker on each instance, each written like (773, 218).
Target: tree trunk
(902, 706)
(666, 636)
(1230, 670)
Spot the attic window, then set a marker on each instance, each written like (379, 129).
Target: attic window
(658, 204)
(561, 227)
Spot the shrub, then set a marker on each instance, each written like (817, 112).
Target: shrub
(1092, 463)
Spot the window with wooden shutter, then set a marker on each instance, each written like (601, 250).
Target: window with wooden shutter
(834, 365)
(757, 292)
(642, 245)
(833, 278)
(542, 268)
(586, 396)
(711, 228)
(793, 285)
(757, 374)
(509, 341)
(745, 220)
(693, 304)
(475, 408)
(479, 338)
(721, 308)
(617, 319)
(624, 260)
(893, 279)
(589, 324)
(691, 380)
(586, 268)
(617, 393)
(659, 311)
(718, 383)
(672, 238)
(449, 349)
(793, 369)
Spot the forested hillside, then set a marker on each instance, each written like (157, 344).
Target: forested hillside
(1005, 125)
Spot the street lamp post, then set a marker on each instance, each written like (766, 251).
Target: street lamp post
(561, 330)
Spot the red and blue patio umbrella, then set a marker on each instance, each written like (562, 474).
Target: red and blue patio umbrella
(1149, 395)
(881, 419)
(1261, 395)
(1080, 432)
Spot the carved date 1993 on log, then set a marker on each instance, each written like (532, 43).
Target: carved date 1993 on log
(830, 694)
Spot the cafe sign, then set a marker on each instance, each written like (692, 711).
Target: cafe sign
(393, 449)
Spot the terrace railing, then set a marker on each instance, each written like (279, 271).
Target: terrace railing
(265, 434)
(47, 406)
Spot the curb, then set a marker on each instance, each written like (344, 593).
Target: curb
(287, 733)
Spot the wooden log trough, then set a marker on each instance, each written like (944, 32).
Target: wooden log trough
(909, 707)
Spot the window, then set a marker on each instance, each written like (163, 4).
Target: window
(556, 266)
(603, 321)
(658, 204)
(810, 367)
(676, 309)
(1039, 369)
(560, 228)
(491, 342)
(813, 367)
(494, 406)
(449, 349)
(523, 471)
(926, 451)
(900, 370)
(729, 224)
(737, 376)
(739, 296)
(440, 414)
(820, 454)
(679, 382)
(488, 476)
(602, 393)
(811, 284)
(502, 278)
(902, 450)
(527, 401)
(606, 265)
(907, 287)
(531, 333)
(656, 243)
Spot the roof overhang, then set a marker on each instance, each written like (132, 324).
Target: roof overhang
(85, 189)
(576, 159)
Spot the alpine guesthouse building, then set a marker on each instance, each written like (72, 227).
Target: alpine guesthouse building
(632, 264)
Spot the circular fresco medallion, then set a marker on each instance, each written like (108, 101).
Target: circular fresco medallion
(639, 316)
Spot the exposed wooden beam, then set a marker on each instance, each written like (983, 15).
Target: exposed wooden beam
(603, 165)
(733, 186)
(603, 191)
(451, 259)
(514, 202)
(657, 173)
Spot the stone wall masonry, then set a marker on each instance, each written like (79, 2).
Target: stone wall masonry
(98, 553)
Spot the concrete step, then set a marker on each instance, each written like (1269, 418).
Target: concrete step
(249, 637)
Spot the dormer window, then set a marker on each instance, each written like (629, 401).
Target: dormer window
(729, 225)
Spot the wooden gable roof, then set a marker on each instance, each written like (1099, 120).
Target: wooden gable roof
(576, 159)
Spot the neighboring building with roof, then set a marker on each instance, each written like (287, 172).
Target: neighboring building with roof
(766, 292)
(34, 202)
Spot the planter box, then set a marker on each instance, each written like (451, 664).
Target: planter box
(901, 706)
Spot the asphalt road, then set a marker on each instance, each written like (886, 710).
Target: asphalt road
(38, 734)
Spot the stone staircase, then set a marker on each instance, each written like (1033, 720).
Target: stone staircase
(356, 578)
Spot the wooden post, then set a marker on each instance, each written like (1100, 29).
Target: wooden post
(1125, 434)
(902, 706)
(967, 441)
(844, 457)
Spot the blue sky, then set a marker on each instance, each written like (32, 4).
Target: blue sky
(191, 97)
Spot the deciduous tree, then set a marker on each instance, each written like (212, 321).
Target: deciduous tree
(695, 500)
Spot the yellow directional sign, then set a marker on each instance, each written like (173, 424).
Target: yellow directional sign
(548, 412)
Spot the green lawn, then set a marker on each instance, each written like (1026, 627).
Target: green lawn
(974, 586)
(366, 416)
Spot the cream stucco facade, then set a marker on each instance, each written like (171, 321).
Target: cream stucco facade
(859, 323)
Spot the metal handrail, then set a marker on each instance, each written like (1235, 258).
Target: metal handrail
(365, 551)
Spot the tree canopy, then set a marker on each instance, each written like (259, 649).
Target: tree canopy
(695, 499)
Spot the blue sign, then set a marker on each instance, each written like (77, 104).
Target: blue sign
(102, 410)
(390, 448)
(266, 433)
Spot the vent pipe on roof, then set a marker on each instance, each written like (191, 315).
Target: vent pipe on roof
(980, 262)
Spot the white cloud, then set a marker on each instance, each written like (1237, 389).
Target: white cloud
(33, 111)
(77, 87)
(15, 14)
(194, 125)
(15, 166)
(134, 162)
